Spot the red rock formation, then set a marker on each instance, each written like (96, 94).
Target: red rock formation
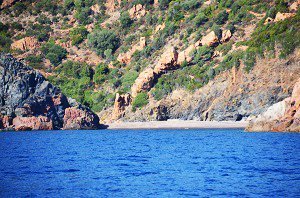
(210, 39)
(185, 55)
(121, 102)
(160, 27)
(126, 57)
(7, 3)
(6, 121)
(137, 11)
(145, 81)
(282, 16)
(26, 43)
(294, 7)
(167, 61)
(32, 123)
(35, 104)
(226, 35)
(268, 20)
(76, 118)
(111, 5)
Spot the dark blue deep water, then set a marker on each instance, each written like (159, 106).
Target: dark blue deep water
(149, 163)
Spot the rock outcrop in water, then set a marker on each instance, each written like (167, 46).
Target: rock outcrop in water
(282, 116)
(30, 102)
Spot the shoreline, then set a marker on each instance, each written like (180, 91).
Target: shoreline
(179, 124)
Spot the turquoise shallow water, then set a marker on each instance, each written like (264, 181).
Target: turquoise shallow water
(149, 163)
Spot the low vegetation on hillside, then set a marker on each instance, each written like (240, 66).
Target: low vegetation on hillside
(70, 31)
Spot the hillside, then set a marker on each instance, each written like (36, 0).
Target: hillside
(141, 60)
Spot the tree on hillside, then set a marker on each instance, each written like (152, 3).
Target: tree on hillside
(101, 40)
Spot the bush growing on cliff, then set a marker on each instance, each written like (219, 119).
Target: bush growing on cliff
(78, 34)
(229, 61)
(283, 34)
(74, 78)
(55, 53)
(128, 80)
(125, 20)
(221, 17)
(200, 19)
(41, 32)
(101, 72)
(83, 15)
(140, 100)
(163, 4)
(5, 38)
(98, 100)
(35, 61)
(101, 40)
(203, 53)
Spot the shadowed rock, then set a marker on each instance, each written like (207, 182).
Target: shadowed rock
(29, 102)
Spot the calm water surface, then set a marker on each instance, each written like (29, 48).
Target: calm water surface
(149, 163)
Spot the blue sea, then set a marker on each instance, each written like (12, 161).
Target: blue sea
(149, 163)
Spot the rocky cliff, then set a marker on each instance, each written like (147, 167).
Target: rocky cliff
(30, 102)
(282, 116)
(154, 60)
(233, 95)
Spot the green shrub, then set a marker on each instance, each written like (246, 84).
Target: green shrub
(125, 20)
(217, 30)
(140, 100)
(163, 87)
(249, 59)
(5, 38)
(55, 53)
(98, 100)
(226, 3)
(40, 31)
(203, 53)
(174, 12)
(230, 60)
(47, 5)
(16, 26)
(69, 4)
(231, 27)
(163, 4)
(76, 70)
(200, 19)
(83, 15)
(78, 34)
(283, 34)
(18, 8)
(221, 18)
(5, 42)
(225, 47)
(101, 40)
(189, 5)
(128, 80)
(101, 72)
(42, 19)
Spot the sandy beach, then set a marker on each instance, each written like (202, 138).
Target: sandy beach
(178, 124)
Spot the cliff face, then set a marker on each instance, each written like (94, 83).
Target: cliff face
(282, 116)
(148, 60)
(232, 95)
(29, 102)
